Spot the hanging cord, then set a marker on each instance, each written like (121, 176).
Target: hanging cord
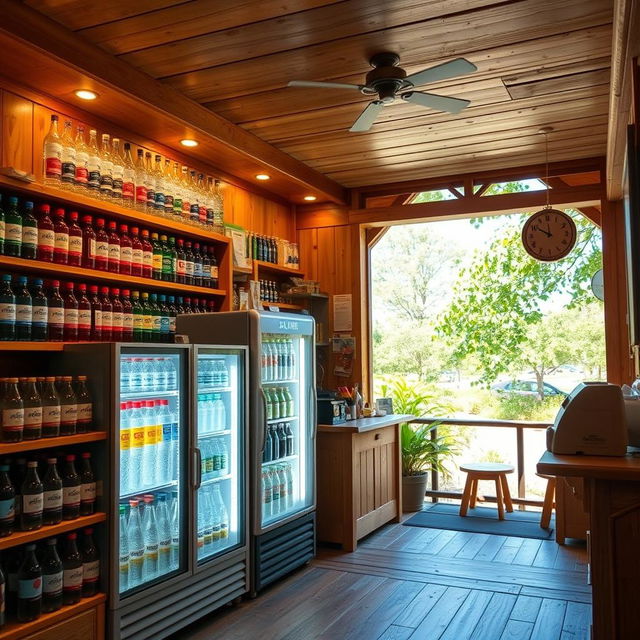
(546, 131)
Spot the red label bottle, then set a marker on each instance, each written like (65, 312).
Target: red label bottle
(116, 316)
(46, 235)
(127, 317)
(107, 314)
(102, 246)
(88, 243)
(114, 248)
(136, 253)
(147, 255)
(84, 314)
(75, 240)
(61, 231)
(96, 314)
(55, 318)
(126, 250)
(70, 313)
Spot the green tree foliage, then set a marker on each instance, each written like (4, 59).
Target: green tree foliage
(497, 310)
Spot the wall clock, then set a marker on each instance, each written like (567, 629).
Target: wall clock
(549, 235)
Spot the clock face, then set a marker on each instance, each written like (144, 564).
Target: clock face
(549, 235)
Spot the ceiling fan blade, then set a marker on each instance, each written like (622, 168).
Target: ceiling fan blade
(440, 103)
(367, 117)
(323, 85)
(451, 69)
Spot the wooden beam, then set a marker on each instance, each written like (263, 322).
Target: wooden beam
(626, 47)
(592, 213)
(576, 197)
(43, 53)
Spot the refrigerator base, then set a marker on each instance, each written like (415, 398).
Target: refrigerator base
(159, 614)
(282, 550)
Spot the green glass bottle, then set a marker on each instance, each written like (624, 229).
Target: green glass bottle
(138, 317)
(13, 229)
(164, 318)
(29, 247)
(147, 319)
(156, 317)
(157, 257)
(167, 259)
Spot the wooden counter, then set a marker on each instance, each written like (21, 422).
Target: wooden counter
(612, 490)
(359, 478)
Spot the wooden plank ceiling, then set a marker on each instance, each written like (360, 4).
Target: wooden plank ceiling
(540, 63)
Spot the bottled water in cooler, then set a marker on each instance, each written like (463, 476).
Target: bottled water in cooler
(175, 532)
(124, 550)
(164, 535)
(136, 545)
(151, 542)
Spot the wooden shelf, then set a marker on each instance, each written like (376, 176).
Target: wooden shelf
(243, 270)
(259, 265)
(18, 538)
(19, 345)
(282, 305)
(307, 296)
(79, 201)
(61, 270)
(7, 448)
(16, 630)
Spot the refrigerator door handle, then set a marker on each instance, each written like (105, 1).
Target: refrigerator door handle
(264, 419)
(197, 468)
(314, 411)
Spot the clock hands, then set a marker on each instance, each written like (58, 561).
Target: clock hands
(547, 233)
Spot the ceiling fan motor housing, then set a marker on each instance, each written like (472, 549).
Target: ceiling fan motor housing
(386, 81)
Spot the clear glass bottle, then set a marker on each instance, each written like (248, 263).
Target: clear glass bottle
(128, 178)
(68, 158)
(158, 176)
(150, 182)
(141, 183)
(82, 160)
(106, 169)
(52, 154)
(118, 171)
(93, 164)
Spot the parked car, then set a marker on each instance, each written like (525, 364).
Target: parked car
(526, 388)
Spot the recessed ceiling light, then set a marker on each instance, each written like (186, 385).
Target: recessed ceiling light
(188, 142)
(85, 94)
(263, 176)
(310, 198)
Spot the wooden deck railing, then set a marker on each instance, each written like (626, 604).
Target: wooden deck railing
(434, 493)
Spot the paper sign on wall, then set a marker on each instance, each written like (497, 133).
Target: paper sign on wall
(342, 313)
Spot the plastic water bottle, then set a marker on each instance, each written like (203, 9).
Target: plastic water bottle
(158, 417)
(164, 536)
(221, 415)
(149, 456)
(208, 520)
(125, 375)
(125, 447)
(224, 374)
(136, 544)
(172, 374)
(222, 515)
(164, 445)
(136, 425)
(224, 458)
(135, 375)
(175, 532)
(146, 383)
(150, 533)
(201, 524)
(157, 374)
(175, 437)
(292, 360)
(124, 550)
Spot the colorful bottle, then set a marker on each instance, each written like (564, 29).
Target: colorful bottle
(12, 413)
(106, 169)
(150, 182)
(116, 316)
(128, 178)
(51, 411)
(75, 241)
(68, 158)
(32, 493)
(147, 255)
(68, 407)
(168, 188)
(127, 317)
(55, 318)
(189, 263)
(13, 229)
(87, 486)
(114, 248)
(71, 489)
(117, 171)
(84, 406)
(72, 571)
(141, 183)
(88, 243)
(197, 265)
(94, 162)
(24, 309)
(7, 310)
(158, 175)
(181, 265)
(136, 253)
(46, 234)
(61, 238)
(138, 317)
(107, 314)
(29, 587)
(29, 248)
(147, 321)
(214, 269)
(96, 314)
(126, 250)
(81, 177)
(167, 259)
(157, 256)
(52, 154)
(52, 500)
(52, 577)
(70, 332)
(102, 246)
(84, 314)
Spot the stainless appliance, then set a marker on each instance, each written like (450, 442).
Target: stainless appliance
(283, 411)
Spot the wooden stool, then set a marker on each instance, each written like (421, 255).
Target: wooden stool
(549, 495)
(486, 471)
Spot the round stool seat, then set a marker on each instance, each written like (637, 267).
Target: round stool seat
(487, 467)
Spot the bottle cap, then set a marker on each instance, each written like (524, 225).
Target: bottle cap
(124, 228)
(88, 531)
(70, 457)
(100, 222)
(93, 288)
(22, 280)
(71, 536)
(52, 460)
(6, 277)
(31, 379)
(82, 287)
(37, 282)
(28, 205)
(134, 231)
(133, 502)
(13, 201)
(104, 290)
(55, 283)
(68, 285)
(54, 118)
(32, 464)
(82, 378)
(87, 218)
(85, 454)
(113, 225)
(45, 209)
(73, 216)
(125, 292)
(115, 292)
(50, 378)
(59, 213)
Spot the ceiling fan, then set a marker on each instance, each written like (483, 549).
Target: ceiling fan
(389, 81)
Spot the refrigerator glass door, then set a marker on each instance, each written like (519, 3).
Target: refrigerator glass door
(220, 445)
(286, 478)
(152, 483)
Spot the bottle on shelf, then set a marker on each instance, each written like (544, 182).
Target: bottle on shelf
(106, 169)
(114, 248)
(52, 577)
(55, 319)
(24, 309)
(141, 182)
(13, 229)
(126, 250)
(147, 254)
(90, 564)
(61, 238)
(116, 316)
(32, 493)
(94, 162)
(150, 181)
(128, 179)
(81, 177)
(70, 331)
(75, 241)
(136, 545)
(32, 403)
(117, 173)
(168, 189)
(68, 407)
(72, 571)
(29, 605)
(52, 496)
(46, 234)
(68, 157)
(84, 406)
(52, 154)
(123, 556)
(102, 246)
(106, 315)
(29, 246)
(127, 317)
(88, 243)
(51, 411)
(84, 314)
(159, 184)
(96, 313)
(7, 503)
(71, 489)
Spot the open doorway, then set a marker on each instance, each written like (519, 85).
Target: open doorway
(469, 326)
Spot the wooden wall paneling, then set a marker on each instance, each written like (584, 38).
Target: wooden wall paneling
(17, 132)
(308, 248)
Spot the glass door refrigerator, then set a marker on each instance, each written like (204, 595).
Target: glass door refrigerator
(178, 548)
(282, 432)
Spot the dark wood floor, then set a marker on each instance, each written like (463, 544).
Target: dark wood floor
(424, 584)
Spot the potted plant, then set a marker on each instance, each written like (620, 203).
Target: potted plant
(421, 451)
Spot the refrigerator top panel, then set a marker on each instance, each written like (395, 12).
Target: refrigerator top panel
(289, 323)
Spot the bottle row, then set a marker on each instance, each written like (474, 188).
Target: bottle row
(140, 375)
(43, 578)
(27, 502)
(269, 291)
(149, 538)
(212, 413)
(149, 444)
(280, 403)
(109, 173)
(273, 250)
(44, 407)
(125, 250)
(278, 442)
(31, 313)
(213, 372)
(213, 521)
(278, 359)
(214, 457)
(277, 490)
